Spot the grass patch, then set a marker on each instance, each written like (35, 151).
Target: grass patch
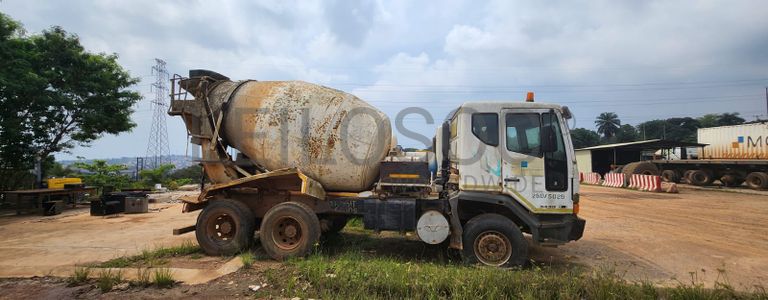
(163, 278)
(108, 279)
(247, 258)
(358, 276)
(79, 275)
(142, 277)
(155, 257)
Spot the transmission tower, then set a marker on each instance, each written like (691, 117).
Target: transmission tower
(158, 150)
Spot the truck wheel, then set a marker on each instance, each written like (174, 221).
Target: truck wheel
(225, 227)
(640, 167)
(670, 176)
(494, 240)
(289, 229)
(731, 180)
(700, 177)
(687, 176)
(757, 180)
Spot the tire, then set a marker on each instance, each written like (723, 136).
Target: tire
(687, 176)
(225, 227)
(289, 229)
(670, 176)
(757, 180)
(333, 224)
(486, 234)
(731, 180)
(701, 177)
(640, 167)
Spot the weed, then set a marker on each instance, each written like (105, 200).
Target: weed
(163, 278)
(247, 258)
(155, 257)
(80, 275)
(107, 279)
(142, 277)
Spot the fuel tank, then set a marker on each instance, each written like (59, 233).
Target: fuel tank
(332, 136)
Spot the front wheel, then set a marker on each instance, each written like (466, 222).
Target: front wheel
(289, 229)
(494, 240)
(225, 227)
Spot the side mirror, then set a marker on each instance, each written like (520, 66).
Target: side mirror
(566, 112)
(548, 140)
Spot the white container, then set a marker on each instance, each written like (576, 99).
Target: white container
(748, 141)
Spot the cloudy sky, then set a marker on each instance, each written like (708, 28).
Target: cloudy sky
(641, 59)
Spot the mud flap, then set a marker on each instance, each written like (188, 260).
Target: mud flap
(456, 230)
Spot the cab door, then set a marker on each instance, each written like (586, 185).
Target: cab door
(534, 164)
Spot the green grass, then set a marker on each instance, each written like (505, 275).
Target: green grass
(142, 277)
(357, 276)
(79, 275)
(163, 278)
(154, 257)
(108, 279)
(247, 258)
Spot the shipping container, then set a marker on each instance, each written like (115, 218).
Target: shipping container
(747, 141)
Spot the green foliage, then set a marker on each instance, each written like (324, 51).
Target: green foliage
(149, 258)
(193, 173)
(108, 279)
(61, 94)
(163, 278)
(583, 138)
(356, 276)
(247, 258)
(101, 174)
(79, 275)
(676, 129)
(608, 124)
(157, 175)
(724, 119)
(143, 277)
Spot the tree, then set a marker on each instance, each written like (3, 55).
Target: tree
(608, 124)
(583, 138)
(156, 175)
(626, 133)
(724, 119)
(55, 95)
(99, 174)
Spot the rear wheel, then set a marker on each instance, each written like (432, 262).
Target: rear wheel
(289, 229)
(494, 240)
(225, 227)
(670, 176)
(757, 180)
(701, 177)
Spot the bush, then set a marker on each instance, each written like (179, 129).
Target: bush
(79, 275)
(108, 279)
(163, 278)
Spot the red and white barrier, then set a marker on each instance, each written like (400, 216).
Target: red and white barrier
(591, 178)
(614, 180)
(650, 183)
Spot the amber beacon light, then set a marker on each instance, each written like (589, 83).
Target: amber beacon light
(529, 97)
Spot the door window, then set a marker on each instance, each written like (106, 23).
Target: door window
(485, 126)
(523, 134)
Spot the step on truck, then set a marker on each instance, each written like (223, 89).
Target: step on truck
(294, 161)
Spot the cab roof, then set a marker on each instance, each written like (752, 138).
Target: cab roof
(494, 106)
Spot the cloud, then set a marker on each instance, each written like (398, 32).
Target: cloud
(641, 59)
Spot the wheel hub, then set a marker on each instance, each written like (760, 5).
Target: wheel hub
(493, 248)
(222, 227)
(287, 233)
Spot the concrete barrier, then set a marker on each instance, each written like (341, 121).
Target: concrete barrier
(614, 180)
(591, 178)
(651, 183)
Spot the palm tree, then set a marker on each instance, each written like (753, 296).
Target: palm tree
(608, 124)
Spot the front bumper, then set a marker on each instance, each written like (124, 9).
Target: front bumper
(569, 228)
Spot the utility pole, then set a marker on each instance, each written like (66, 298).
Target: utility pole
(157, 147)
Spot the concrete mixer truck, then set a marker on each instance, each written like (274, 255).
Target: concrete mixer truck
(293, 161)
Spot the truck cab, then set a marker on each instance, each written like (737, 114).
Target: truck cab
(513, 160)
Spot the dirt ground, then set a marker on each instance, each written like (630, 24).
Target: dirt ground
(660, 237)
(710, 235)
(34, 245)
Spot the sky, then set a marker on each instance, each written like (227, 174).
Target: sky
(643, 60)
